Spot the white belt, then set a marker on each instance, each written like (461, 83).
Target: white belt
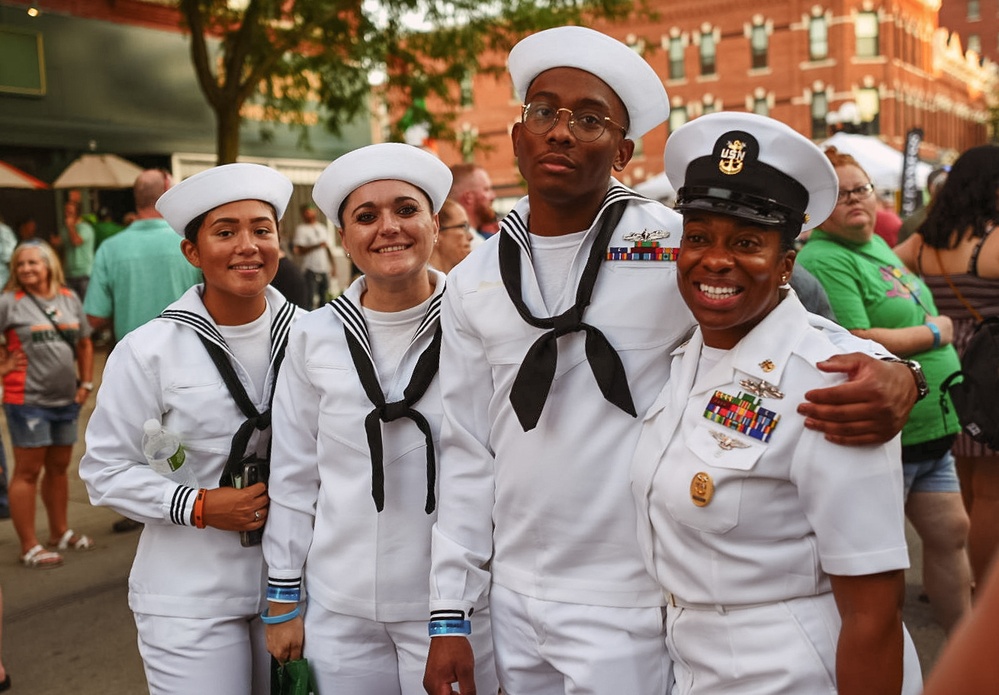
(678, 602)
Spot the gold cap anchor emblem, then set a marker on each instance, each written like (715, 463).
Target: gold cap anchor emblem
(731, 157)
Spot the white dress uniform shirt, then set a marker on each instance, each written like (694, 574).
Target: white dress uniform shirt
(162, 371)
(730, 523)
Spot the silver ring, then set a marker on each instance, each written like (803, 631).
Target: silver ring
(256, 515)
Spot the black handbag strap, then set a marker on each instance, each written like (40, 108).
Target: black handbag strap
(50, 316)
(255, 420)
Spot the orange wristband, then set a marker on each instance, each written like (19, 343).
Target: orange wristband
(199, 508)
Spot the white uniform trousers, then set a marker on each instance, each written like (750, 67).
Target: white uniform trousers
(552, 648)
(783, 647)
(355, 656)
(222, 656)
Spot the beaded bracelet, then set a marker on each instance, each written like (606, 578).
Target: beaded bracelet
(438, 628)
(199, 508)
(283, 618)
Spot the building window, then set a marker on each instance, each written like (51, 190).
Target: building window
(820, 108)
(869, 105)
(818, 39)
(974, 10)
(709, 104)
(22, 62)
(759, 46)
(467, 94)
(975, 43)
(676, 68)
(761, 107)
(866, 31)
(707, 53)
(677, 117)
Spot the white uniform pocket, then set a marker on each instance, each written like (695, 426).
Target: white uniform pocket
(727, 458)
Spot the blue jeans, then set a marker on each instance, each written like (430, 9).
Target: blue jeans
(935, 475)
(33, 426)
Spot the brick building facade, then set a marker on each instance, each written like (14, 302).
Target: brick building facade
(798, 62)
(976, 22)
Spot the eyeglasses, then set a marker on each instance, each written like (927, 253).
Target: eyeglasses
(860, 193)
(585, 125)
(464, 226)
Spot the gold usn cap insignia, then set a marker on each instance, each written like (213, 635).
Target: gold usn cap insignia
(732, 156)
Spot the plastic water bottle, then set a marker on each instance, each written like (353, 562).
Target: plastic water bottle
(165, 453)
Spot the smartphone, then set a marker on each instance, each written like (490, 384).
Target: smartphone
(253, 472)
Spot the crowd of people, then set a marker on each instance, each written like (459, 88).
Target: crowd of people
(568, 437)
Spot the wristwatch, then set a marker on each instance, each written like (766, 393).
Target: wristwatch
(89, 385)
(922, 388)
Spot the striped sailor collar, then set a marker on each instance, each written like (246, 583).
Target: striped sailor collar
(348, 308)
(190, 311)
(515, 222)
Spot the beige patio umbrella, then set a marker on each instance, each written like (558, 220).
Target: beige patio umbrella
(12, 177)
(98, 171)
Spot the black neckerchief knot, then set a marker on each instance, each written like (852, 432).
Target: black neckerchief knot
(419, 382)
(534, 379)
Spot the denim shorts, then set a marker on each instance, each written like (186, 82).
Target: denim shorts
(33, 426)
(935, 475)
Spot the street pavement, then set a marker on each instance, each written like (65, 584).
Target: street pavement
(69, 630)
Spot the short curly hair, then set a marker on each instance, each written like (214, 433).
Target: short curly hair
(842, 159)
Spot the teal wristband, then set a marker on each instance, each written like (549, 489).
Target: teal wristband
(278, 619)
(450, 627)
(936, 333)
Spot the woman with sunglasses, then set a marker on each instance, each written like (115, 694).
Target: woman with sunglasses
(47, 364)
(875, 296)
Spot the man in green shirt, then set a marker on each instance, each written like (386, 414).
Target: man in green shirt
(140, 270)
(75, 242)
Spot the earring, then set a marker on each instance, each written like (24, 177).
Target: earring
(783, 279)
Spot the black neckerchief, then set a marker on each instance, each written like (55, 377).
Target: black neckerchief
(534, 379)
(218, 350)
(356, 333)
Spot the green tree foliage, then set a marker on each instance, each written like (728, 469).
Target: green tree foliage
(288, 53)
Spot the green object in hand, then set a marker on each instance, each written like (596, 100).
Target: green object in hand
(292, 678)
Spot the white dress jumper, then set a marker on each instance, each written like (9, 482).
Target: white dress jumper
(366, 573)
(196, 593)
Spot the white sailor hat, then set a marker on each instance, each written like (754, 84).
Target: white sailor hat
(632, 79)
(384, 161)
(219, 185)
(751, 167)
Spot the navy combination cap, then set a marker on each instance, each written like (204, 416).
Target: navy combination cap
(751, 167)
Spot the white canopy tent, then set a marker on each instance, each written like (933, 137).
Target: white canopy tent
(881, 161)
